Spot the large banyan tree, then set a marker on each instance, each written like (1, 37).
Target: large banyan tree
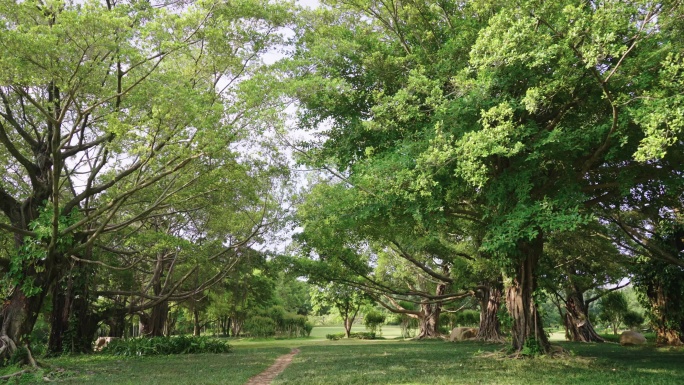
(521, 117)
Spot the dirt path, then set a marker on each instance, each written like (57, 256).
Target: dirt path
(265, 377)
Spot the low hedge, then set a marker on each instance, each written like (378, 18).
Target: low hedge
(358, 335)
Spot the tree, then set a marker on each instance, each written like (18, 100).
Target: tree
(345, 299)
(613, 307)
(100, 102)
(578, 267)
(510, 116)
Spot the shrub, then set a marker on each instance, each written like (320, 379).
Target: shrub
(358, 335)
(258, 326)
(165, 345)
(633, 319)
(308, 327)
(373, 321)
(334, 336)
(468, 318)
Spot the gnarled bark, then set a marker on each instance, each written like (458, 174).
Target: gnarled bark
(428, 318)
(527, 329)
(576, 319)
(19, 315)
(662, 307)
(490, 298)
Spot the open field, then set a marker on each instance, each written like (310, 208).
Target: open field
(390, 361)
(436, 362)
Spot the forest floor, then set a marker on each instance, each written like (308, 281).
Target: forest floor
(389, 361)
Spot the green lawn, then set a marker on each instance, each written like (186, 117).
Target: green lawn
(436, 362)
(231, 368)
(377, 362)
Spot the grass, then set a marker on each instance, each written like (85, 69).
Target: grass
(230, 368)
(390, 361)
(437, 362)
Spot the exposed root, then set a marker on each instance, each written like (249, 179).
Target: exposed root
(499, 340)
(32, 361)
(19, 373)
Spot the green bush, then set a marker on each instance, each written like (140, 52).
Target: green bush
(334, 336)
(308, 327)
(357, 335)
(259, 326)
(468, 318)
(373, 321)
(165, 345)
(633, 319)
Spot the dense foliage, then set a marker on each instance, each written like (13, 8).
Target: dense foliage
(165, 345)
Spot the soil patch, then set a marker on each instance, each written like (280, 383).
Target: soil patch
(265, 377)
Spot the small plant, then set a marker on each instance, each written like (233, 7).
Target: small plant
(531, 347)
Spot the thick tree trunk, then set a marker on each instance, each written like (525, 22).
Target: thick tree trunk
(429, 321)
(576, 319)
(154, 323)
(666, 334)
(490, 327)
(117, 324)
(430, 312)
(527, 330)
(19, 314)
(72, 325)
(59, 319)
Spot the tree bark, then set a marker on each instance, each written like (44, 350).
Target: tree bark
(490, 327)
(527, 329)
(348, 323)
(154, 323)
(19, 315)
(428, 320)
(666, 332)
(72, 323)
(196, 331)
(576, 319)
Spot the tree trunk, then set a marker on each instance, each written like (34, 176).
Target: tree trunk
(429, 321)
(236, 325)
(59, 319)
(72, 325)
(660, 311)
(527, 330)
(154, 323)
(19, 315)
(117, 324)
(490, 327)
(430, 312)
(196, 322)
(348, 322)
(576, 319)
